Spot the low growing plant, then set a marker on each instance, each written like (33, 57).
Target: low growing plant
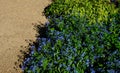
(81, 36)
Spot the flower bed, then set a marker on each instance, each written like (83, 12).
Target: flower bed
(81, 36)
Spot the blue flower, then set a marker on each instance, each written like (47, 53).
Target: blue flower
(83, 54)
(58, 58)
(32, 47)
(55, 62)
(119, 38)
(61, 37)
(38, 38)
(48, 17)
(92, 70)
(32, 52)
(40, 63)
(87, 62)
(74, 49)
(43, 39)
(34, 68)
(111, 71)
(49, 40)
(43, 43)
(23, 67)
(96, 57)
(31, 67)
(47, 23)
(57, 32)
(39, 48)
(92, 47)
(68, 68)
(26, 61)
(61, 17)
(60, 65)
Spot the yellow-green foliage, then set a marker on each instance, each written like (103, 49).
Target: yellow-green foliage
(96, 11)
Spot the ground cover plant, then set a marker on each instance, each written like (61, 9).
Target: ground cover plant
(82, 36)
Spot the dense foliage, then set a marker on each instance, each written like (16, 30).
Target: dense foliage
(81, 36)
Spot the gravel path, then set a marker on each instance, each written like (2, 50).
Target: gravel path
(16, 18)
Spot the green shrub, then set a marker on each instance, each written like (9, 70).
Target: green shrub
(82, 36)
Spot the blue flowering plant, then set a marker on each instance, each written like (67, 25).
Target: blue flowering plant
(81, 36)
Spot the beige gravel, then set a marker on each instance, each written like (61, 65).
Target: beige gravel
(16, 18)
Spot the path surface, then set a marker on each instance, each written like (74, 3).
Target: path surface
(16, 18)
